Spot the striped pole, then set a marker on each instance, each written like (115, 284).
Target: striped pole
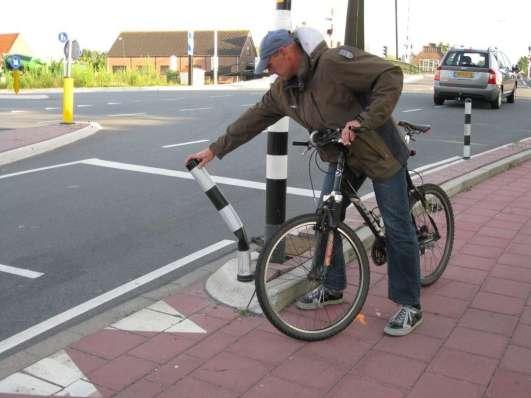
(277, 150)
(276, 176)
(468, 128)
(229, 215)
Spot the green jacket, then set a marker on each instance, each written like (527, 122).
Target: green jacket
(334, 86)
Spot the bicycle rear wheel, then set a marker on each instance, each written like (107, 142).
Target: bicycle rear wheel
(286, 271)
(434, 223)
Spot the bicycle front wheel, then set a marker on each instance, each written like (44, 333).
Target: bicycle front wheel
(291, 266)
(434, 222)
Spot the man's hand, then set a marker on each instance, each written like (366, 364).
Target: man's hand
(204, 156)
(347, 135)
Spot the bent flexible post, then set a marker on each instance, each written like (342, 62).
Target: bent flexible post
(229, 215)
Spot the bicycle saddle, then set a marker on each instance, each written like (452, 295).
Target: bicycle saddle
(411, 126)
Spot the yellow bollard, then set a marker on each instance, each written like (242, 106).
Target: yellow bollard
(16, 81)
(68, 100)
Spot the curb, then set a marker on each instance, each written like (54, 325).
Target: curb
(24, 152)
(223, 286)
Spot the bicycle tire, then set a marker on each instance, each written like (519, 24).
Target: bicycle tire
(434, 254)
(279, 283)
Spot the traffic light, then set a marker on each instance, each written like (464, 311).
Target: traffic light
(385, 51)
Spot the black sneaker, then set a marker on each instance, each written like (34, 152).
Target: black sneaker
(318, 298)
(406, 319)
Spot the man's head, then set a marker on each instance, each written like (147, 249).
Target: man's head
(279, 54)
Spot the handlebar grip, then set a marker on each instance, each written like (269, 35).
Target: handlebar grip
(300, 143)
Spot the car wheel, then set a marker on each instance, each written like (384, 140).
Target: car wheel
(512, 97)
(438, 100)
(496, 104)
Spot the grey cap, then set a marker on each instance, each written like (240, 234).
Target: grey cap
(271, 43)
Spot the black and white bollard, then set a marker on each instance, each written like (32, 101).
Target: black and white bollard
(468, 128)
(277, 149)
(229, 215)
(276, 176)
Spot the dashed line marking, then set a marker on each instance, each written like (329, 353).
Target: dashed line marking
(127, 114)
(194, 109)
(26, 273)
(184, 143)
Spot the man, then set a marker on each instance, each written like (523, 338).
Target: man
(342, 87)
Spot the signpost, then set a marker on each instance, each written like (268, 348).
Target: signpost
(15, 64)
(72, 51)
(190, 56)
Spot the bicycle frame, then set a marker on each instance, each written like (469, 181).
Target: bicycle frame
(373, 221)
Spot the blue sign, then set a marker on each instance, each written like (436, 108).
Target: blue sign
(14, 61)
(63, 37)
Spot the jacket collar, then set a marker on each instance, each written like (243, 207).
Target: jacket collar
(307, 68)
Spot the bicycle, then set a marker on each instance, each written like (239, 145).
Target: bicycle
(286, 268)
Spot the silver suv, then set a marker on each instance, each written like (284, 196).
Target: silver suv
(475, 73)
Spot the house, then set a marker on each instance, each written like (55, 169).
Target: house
(429, 58)
(13, 43)
(236, 51)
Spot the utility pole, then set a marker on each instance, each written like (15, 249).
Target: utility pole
(396, 29)
(355, 26)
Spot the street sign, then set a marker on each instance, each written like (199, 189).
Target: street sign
(75, 51)
(14, 61)
(63, 37)
(190, 42)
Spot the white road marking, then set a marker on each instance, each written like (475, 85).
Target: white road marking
(247, 105)
(127, 114)
(20, 271)
(431, 165)
(18, 111)
(39, 169)
(84, 106)
(172, 99)
(51, 108)
(412, 110)
(185, 175)
(63, 317)
(114, 103)
(194, 109)
(184, 143)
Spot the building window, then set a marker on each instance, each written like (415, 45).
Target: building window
(164, 69)
(118, 68)
(429, 65)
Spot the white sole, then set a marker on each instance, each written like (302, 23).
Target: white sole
(402, 332)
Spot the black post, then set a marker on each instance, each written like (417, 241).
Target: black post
(355, 27)
(190, 71)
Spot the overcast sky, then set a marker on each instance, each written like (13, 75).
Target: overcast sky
(97, 24)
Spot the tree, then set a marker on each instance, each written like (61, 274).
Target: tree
(94, 58)
(523, 63)
(444, 47)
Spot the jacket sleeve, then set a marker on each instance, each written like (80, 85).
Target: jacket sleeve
(376, 82)
(248, 125)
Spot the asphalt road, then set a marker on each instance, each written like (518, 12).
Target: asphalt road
(92, 226)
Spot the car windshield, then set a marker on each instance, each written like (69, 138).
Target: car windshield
(467, 58)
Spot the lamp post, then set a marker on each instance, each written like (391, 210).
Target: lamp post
(529, 62)
(396, 29)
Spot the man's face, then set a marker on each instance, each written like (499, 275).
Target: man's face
(281, 64)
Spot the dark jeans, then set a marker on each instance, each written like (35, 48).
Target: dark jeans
(403, 265)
